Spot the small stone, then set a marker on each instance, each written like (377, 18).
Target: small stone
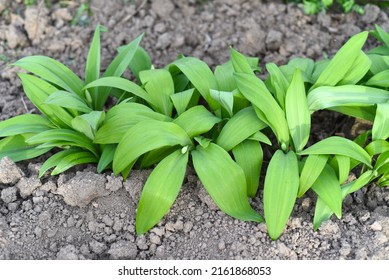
(371, 13)
(160, 27)
(13, 206)
(306, 204)
(107, 220)
(51, 232)
(163, 8)
(83, 188)
(283, 249)
(35, 23)
(179, 225)
(68, 252)
(44, 219)
(27, 186)
(364, 216)
(97, 247)
(155, 239)
(188, 226)
(123, 250)
(9, 172)
(114, 183)
(160, 252)
(37, 200)
(38, 232)
(70, 222)
(9, 195)
(158, 231)
(141, 243)
(14, 34)
(273, 40)
(376, 226)
(164, 41)
(134, 184)
(221, 245)
(329, 228)
(62, 14)
(345, 250)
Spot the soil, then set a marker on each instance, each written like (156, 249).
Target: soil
(85, 215)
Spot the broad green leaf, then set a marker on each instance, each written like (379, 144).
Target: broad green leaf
(55, 159)
(147, 136)
(381, 35)
(200, 75)
(249, 156)
(377, 147)
(256, 92)
(381, 122)
(87, 124)
(115, 69)
(17, 149)
(348, 95)
(342, 62)
(280, 191)
(336, 145)
(381, 50)
(155, 156)
(240, 63)
(279, 83)
(225, 99)
(123, 84)
(141, 61)
(319, 68)
(246, 122)
(106, 157)
(328, 189)
(260, 137)
(380, 79)
(323, 212)
(357, 71)
(52, 71)
(122, 117)
(224, 77)
(343, 165)
(382, 160)
(365, 113)
(379, 63)
(160, 191)
(225, 181)
(313, 166)
(197, 120)
(159, 85)
(63, 135)
(362, 180)
(27, 123)
(92, 67)
(73, 160)
(68, 100)
(306, 65)
(38, 90)
(297, 112)
(203, 142)
(181, 100)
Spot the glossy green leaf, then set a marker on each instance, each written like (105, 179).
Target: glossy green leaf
(197, 120)
(123, 84)
(379, 63)
(246, 122)
(260, 137)
(377, 147)
(88, 123)
(362, 180)
(201, 76)
(181, 100)
(280, 191)
(297, 112)
(155, 156)
(249, 156)
(38, 90)
(225, 182)
(122, 117)
(224, 77)
(381, 122)
(27, 123)
(240, 63)
(52, 71)
(159, 85)
(72, 160)
(141, 61)
(69, 100)
(161, 190)
(106, 157)
(279, 83)
(348, 95)
(381, 35)
(225, 99)
(92, 67)
(343, 165)
(364, 113)
(63, 135)
(17, 149)
(313, 166)
(357, 71)
(147, 136)
(256, 92)
(328, 189)
(380, 79)
(342, 62)
(336, 145)
(55, 159)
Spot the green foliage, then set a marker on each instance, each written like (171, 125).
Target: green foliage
(317, 6)
(217, 122)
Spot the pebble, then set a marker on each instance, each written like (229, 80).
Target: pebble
(141, 243)
(9, 195)
(188, 226)
(221, 245)
(163, 8)
(155, 239)
(179, 225)
(9, 172)
(97, 247)
(123, 250)
(26, 186)
(376, 226)
(68, 252)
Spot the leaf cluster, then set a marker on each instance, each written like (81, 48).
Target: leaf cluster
(217, 122)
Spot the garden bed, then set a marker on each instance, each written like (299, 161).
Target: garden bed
(85, 215)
